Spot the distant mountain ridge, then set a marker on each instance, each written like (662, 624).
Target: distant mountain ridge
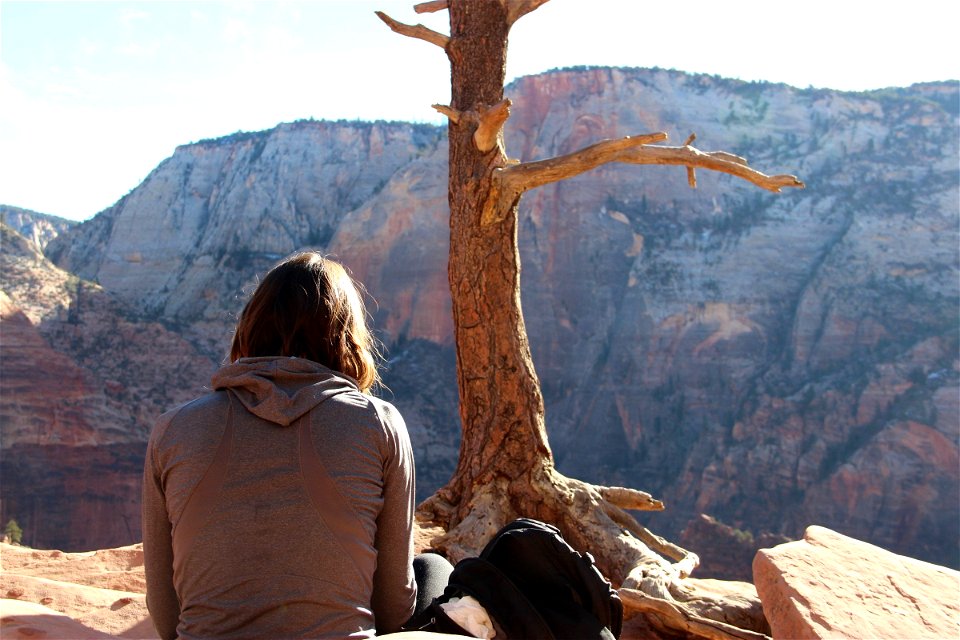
(772, 361)
(39, 228)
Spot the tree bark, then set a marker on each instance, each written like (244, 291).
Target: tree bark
(506, 469)
(504, 442)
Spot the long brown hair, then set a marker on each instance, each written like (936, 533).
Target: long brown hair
(308, 307)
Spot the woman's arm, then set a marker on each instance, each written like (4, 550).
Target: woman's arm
(162, 601)
(394, 589)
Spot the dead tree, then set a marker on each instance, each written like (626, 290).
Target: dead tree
(506, 468)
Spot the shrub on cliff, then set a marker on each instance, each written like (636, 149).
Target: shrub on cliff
(13, 531)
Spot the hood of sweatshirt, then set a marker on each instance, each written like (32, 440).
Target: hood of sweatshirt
(281, 389)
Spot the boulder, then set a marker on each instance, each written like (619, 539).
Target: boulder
(831, 586)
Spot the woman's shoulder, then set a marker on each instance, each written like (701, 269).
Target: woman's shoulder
(363, 410)
(392, 424)
(212, 402)
(386, 410)
(209, 407)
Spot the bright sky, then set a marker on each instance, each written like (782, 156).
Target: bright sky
(93, 95)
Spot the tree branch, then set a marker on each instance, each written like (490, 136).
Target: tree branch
(516, 9)
(515, 179)
(630, 499)
(529, 175)
(677, 617)
(431, 7)
(415, 31)
(686, 561)
(511, 181)
(721, 161)
(491, 125)
(452, 114)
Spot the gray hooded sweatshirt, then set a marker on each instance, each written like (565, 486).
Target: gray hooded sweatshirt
(279, 506)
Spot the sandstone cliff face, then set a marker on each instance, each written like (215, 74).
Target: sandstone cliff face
(749, 356)
(37, 228)
(184, 243)
(83, 380)
(771, 360)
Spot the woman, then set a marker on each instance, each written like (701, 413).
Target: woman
(281, 504)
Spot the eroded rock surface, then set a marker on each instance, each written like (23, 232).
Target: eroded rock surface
(831, 586)
(83, 378)
(752, 356)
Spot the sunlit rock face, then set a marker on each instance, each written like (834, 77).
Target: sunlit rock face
(773, 360)
(38, 229)
(185, 242)
(832, 586)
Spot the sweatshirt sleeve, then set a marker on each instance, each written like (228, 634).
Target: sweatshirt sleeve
(394, 589)
(162, 601)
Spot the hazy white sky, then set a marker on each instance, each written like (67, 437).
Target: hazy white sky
(93, 95)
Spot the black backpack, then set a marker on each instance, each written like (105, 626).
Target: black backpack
(534, 585)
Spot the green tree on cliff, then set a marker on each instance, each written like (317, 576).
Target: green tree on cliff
(13, 531)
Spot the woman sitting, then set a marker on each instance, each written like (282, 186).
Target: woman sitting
(281, 504)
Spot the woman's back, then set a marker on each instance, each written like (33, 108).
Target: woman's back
(291, 499)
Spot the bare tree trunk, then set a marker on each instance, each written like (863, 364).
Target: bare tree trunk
(506, 468)
(504, 443)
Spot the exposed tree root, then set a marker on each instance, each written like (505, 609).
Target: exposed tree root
(628, 554)
(675, 617)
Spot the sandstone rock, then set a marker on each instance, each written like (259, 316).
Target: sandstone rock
(97, 594)
(83, 379)
(116, 569)
(220, 211)
(831, 586)
(38, 228)
(45, 398)
(119, 613)
(29, 620)
(734, 352)
(76, 596)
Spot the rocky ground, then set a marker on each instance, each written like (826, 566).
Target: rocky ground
(824, 586)
(51, 594)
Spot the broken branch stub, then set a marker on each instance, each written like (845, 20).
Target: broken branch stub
(453, 115)
(431, 7)
(516, 9)
(491, 125)
(691, 172)
(417, 31)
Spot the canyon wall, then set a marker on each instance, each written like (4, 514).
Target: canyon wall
(773, 361)
(83, 377)
(37, 228)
